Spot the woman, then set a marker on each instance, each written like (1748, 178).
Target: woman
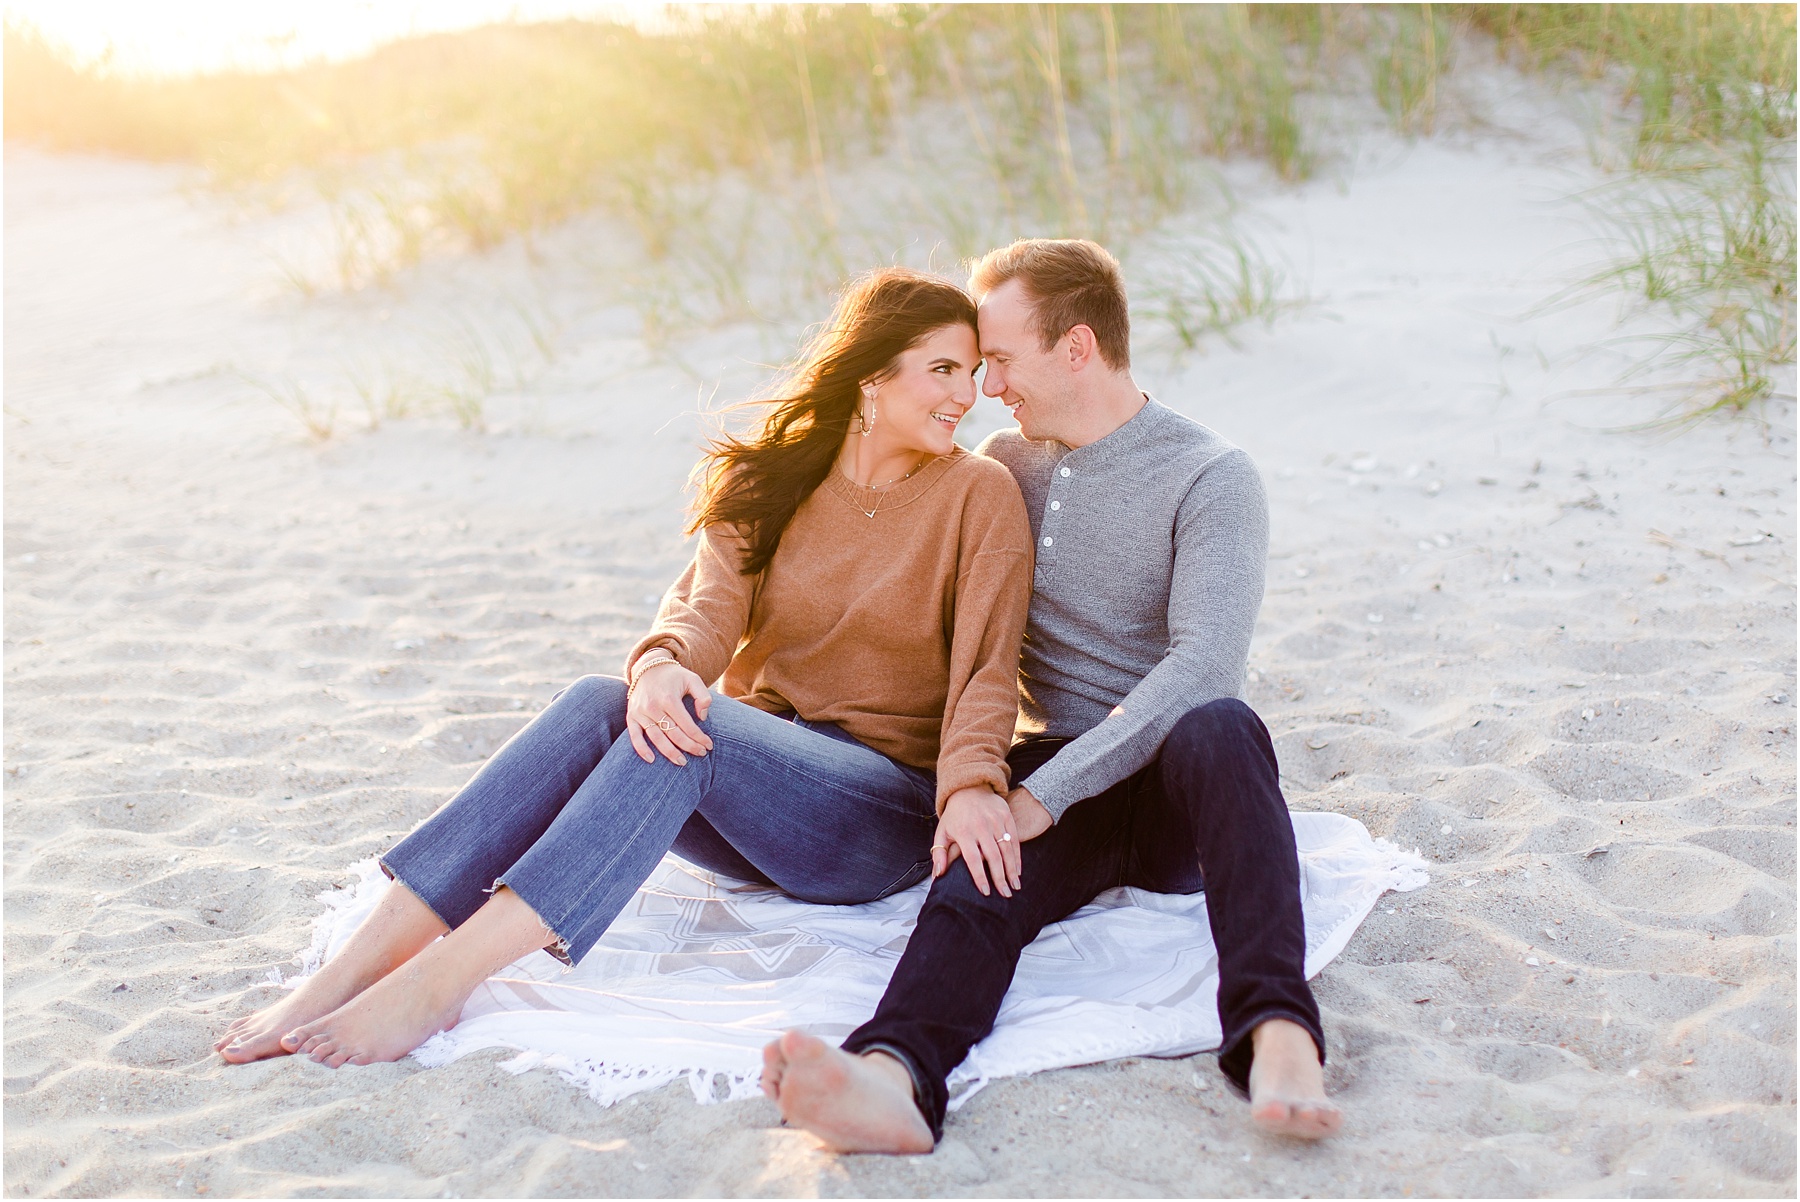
(859, 590)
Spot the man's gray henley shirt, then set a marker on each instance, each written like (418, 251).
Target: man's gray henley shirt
(1151, 548)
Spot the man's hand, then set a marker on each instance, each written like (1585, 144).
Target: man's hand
(1030, 818)
(978, 826)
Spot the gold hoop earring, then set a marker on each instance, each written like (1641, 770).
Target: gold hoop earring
(866, 416)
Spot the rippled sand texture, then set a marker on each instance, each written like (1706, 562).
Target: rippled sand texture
(1558, 661)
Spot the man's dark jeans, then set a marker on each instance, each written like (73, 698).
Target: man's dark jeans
(1208, 809)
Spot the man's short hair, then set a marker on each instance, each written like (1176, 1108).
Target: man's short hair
(1069, 282)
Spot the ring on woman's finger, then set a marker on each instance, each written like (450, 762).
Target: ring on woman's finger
(1006, 837)
(665, 724)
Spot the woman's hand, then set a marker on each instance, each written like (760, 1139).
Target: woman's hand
(655, 716)
(978, 826)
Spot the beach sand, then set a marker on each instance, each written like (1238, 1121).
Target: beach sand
(1558, 660)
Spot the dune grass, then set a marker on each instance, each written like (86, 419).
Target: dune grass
(756, 154)
(318, 416)
(1203, 284)
(1700, 221)
(1082, 115)
(1690, 72)
(464, 139)
(1710, 240)
(1407, 59)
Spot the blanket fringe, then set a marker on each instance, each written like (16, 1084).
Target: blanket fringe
(609, 1082)
(1408, 869)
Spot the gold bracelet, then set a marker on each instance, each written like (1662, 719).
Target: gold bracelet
(650, 658)
(643, 666)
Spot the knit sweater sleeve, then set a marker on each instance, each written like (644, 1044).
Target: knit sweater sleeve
(1221, 549)
(992, 597)
(704, 616)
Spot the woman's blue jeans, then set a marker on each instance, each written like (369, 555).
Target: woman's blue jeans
(568, 817)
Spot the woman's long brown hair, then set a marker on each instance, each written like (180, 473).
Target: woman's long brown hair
(754, 484)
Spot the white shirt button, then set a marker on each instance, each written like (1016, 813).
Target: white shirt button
(1047, 542)
(1056, 504)
(1065, 471)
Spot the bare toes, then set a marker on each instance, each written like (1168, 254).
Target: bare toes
(1301, 1120)
(1271, 1114)
(1326, 1118)
(773, 1063)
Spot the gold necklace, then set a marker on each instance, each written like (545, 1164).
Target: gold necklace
(895, 480)
(881, 496)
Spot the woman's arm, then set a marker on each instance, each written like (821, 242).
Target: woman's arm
(981, 706)
(993, 594)
(698, 627)
(705, 613)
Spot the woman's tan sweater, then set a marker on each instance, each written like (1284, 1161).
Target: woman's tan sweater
(902, 628)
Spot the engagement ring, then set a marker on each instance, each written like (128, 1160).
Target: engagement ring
(1006, 838)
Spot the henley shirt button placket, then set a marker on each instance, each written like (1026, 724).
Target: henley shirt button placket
(1048, 542)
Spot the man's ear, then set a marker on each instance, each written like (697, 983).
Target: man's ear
(1084, 349)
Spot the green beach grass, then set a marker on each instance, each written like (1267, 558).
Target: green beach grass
(726, 139)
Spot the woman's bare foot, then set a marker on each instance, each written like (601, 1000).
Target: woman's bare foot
(397, 928)
(853, 1103)
(385, 1021)
(1287, 1083)
(257, 1036)
(426, 994)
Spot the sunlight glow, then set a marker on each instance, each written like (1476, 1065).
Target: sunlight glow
(179, 37)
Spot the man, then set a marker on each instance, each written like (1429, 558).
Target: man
(1136, 763)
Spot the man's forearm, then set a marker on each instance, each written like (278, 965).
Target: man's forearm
(1132, 735)
(1215, 590)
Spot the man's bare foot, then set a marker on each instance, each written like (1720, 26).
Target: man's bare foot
(774, 1061)
(1287, 1083)
(853, 1103)
(387, 1020)
(257, 1036)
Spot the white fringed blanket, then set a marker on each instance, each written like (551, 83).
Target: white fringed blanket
(700, 972)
